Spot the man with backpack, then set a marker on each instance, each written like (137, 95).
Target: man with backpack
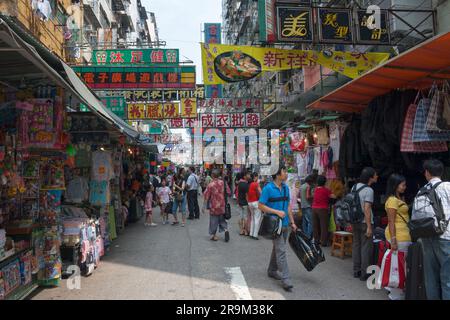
(361, 218)
(430, 223)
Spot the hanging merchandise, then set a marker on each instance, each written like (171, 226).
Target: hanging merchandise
(322, 136)
(102, 167)
(443, 120)
(302, 164)
(437, 107)
(407, 144)
(298, 142)
(420, 133)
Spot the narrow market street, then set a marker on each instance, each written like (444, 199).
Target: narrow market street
(171, 262)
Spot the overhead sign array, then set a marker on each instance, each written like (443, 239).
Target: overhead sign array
(281, 21)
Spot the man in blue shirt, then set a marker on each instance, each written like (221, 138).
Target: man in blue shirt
(275, 199)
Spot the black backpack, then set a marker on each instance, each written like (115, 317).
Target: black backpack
(350, 206)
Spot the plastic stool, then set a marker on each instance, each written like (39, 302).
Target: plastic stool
(342, 243)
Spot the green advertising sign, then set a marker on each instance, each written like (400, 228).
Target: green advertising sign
(155, 127)
(115, 104)
(136, 57)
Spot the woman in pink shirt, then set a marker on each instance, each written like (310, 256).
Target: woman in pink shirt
(149, 207)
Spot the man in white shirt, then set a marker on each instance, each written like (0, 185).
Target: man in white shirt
(436, 250)
(192, 186)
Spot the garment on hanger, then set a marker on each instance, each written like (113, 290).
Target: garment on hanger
(302, 164)
(322, 136)
(102, 166)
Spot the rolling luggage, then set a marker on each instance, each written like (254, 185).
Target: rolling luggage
(309, 253)
(415, 279)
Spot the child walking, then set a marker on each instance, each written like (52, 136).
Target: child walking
(149, 207)
(164, 199)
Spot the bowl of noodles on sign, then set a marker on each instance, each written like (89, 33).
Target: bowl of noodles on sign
(234, 66)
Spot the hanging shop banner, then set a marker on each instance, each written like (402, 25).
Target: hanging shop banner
(267, 26)
(131, 96)
(117, 105)
(136, 57)
(134, 78)
(213, 32)
(295, 24)
(230, 120)
(188, 108)
(237, 104)
(367, 33)
(171, 110)
(179, 123)
(226, 64)
(335, 25)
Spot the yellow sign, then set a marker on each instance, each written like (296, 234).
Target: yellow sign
(225, 64)
(188, 108)
(136, 111)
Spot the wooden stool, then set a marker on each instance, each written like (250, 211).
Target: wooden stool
(342, 242)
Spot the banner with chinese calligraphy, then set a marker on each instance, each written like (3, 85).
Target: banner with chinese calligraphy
(335, 25)
(131, 96)
(136, 56)
(373, 35)
(188, 108)
(295, 24)
(137, 77)
(226, 64)
(227, 105)
(179, 123)
(213, 32)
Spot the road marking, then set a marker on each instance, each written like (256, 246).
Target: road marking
(238, 283)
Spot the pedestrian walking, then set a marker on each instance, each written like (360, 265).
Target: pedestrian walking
(192, 186)
(397, 232)
(254, 191)
(306, 198)
(164, 194)
(436, 248)
(215, 195)
(321, 212)
(243, 187)
(362, 231)
(149, 207)
(275, 200)
(180, 197)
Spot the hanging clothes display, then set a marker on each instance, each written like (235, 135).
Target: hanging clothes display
(322, 136)
(302, 164)
(102, 166)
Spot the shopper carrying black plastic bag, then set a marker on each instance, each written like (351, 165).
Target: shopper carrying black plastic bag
(309, 253)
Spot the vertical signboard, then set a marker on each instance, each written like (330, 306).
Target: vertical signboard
(267, 25)
(335, 25)
(294, 24)
(213, 35)
(368, 34)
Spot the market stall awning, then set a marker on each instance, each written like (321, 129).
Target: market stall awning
(416, 68)
(55, 68)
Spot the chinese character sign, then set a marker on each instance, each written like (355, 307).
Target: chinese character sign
(138, 77)
(226, 64)
(136, 57)
(188, 108)
(335, 25)
(294, 24)
(213, 33)
(369, 35)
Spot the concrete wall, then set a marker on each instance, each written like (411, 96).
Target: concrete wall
(443, 15)
(49, 33)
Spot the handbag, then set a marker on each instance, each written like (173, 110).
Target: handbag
(393, 271)
(443, 121)
(271, 226)
(227, 205)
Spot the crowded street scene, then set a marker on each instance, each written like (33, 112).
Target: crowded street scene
(225, 150)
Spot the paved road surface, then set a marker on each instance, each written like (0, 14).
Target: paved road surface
(172, 262)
